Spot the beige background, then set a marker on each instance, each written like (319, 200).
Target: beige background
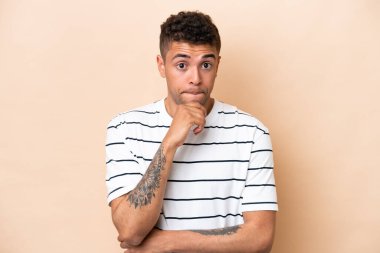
(308, 69)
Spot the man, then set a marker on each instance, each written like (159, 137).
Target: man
(189, 173)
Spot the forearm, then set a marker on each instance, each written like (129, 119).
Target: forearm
(135, 213)
(243, 238)
(255, 235)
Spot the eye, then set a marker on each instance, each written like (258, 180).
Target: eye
(181, 65)
(206, 65)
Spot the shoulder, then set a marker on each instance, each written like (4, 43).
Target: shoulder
(233, 114)
(138, 114)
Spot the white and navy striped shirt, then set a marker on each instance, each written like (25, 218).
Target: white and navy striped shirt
(217, 175)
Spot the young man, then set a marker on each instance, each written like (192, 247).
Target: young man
(189, 173)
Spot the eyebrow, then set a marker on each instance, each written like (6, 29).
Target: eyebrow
(187, 56)
(209, 56)
(180, 56)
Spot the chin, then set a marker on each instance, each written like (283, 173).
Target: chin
(201, 101)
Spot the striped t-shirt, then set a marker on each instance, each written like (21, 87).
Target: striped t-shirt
(217, 175)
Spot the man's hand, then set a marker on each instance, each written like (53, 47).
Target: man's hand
(185, 117)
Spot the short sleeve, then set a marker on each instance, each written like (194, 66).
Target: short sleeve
(260, 190)
(122, 168)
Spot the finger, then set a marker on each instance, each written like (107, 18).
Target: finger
(200, 123)
(198, 112)
(197, 130)
(204, 110)
(195, 105)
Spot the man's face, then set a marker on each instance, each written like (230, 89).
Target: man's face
(190, 71)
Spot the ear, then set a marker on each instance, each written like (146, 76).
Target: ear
(161, 66)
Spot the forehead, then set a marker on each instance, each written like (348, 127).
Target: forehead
(191, 50)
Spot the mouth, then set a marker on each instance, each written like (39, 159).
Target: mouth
(193, 92)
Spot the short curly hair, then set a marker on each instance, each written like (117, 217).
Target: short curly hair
(193, 27)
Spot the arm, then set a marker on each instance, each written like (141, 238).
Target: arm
(135, 213)
(255, 235)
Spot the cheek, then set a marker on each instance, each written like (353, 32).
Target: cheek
(175, 79)
(173, 84)
(210, 88)
(209, 80)
(173, 75)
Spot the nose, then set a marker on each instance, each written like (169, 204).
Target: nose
(195, 77)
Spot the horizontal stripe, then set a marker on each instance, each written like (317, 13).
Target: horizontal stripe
(206, 180)
(194, 144)
(136, 122)
(164, 126)
(258, 185)
(234, 112)
(124, 174)
(261, 168)
(258, 203)
(123, 160)
(145, 112)
(115, 190)
(200, 199)
(202, 217)
(230, 127)
(138, 111)
(141, 140)
(261, 150)
(141, 157)
(114, 143)
(219, 143)
(213, 161)
(202, 161)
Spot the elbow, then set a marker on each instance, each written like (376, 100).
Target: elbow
(264, 246)
(260, 248)
(130, 239)
(130, 234)
(261, 243)
(265, 249)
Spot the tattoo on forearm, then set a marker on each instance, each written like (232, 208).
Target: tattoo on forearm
(219, 231)
(145, 190)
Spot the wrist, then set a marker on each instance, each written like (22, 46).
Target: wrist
(172, 241)
(169, 147)
(180, 241)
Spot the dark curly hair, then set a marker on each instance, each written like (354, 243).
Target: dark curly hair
(192, 26)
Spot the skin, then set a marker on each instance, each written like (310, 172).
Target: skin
(255, 235)
(190, 72)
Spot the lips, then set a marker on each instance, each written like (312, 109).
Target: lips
(193, 92)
